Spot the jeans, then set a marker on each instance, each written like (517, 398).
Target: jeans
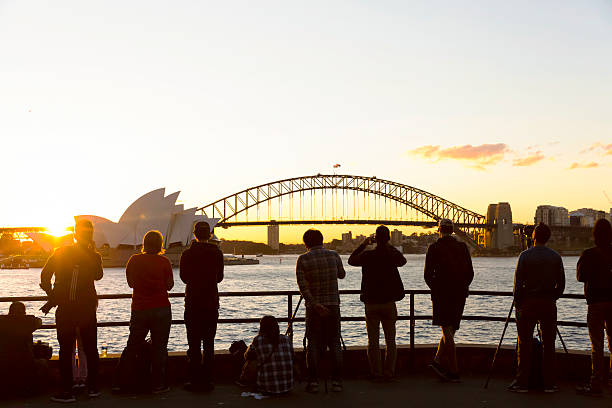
(599, 318)
(527, 315)
(323, 332)
(385, 313)
(201, 325)
(157, 321)
(68, 320)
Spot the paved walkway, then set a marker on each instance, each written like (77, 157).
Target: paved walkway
(412, 391)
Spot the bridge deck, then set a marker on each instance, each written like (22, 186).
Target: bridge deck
(414, 390)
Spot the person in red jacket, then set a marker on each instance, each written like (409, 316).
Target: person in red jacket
(201, 269)
(595, 270)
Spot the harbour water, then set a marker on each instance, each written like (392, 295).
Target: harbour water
(278, 273)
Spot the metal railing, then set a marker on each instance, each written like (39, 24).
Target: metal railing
(412, 317)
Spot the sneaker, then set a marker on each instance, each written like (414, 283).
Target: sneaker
(336, 386)
(312, 387)
(64, 397)
(161, 389)
(551, 389)
(589, 390)
(440, 372)
(516, 387)
(93, 393)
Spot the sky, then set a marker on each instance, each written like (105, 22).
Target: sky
(478, 101)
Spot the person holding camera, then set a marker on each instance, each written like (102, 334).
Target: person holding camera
(595, 270)
(317, 273)
(539, 281)
(448, 273)
(381, 287)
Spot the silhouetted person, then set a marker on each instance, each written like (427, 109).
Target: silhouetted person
(21, 372)
(317, 272)
(381, 287)
(595, 270)
(448, 273)
(201, 270)
(274, 355)
(149, 274)
(75, 268)
(539, 281)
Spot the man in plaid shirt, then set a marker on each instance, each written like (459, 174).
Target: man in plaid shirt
(318, 271)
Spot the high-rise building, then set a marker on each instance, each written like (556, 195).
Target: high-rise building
(396, 237)
(551, 215)
(347, 237)
(273, 237)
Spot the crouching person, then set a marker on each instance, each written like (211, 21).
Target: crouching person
(274, 355)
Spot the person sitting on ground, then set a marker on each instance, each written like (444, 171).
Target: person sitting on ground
(448, 273)
(20, 372)
(381, 287)
(595, 270)
(150, 275)
(274, 354)
(539, 281)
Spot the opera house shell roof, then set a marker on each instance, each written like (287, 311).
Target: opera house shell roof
(152, 211)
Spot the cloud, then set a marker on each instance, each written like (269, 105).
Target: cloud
(590, 165)
(606, 149)
(529, 160)
(476, 156)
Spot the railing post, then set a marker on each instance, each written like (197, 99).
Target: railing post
(412, 324)
(289, 312)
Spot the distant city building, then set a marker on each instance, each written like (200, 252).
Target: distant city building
(586, 217)
(551, 215)
(347, 238)
(396, 237)
(501, 236)
(273, 237)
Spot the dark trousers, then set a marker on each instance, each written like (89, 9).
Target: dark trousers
(385, 314)
(67, 320)
(323, 332)
(201, 325)
(157, 321)
(530, 312)
(599, 319)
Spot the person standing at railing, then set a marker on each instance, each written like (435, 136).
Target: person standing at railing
(317, 272)
(381, 287)
(595, 270)
(75, 267)
(149, 274)
(448, 273)
(539, 281)
(201, 268)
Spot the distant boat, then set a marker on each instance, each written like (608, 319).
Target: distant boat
(14, 262)
(234, 260)
(259, 255)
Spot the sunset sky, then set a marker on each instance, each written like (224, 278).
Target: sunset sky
(476, 101)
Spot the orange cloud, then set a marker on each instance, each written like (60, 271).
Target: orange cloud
(529, 160)
(607, 149)
(477, 156)
(583, 165)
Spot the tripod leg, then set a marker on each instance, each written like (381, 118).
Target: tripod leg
(562, 342)
(499, 345)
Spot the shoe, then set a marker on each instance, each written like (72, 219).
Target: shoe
(93, 393)
(551, 389)
(440, 372)
(453, 377)
(161, 389)
(312, 387)
(64, 397)
(588, 390)
(336, 386)
(516, 387)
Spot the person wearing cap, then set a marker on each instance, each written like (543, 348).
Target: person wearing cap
(539, 281)
(75, 267)
(381, 287)
(201, 269)
(448, 273)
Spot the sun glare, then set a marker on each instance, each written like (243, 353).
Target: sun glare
(57, 230)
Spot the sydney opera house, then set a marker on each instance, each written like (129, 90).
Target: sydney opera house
(152, 211)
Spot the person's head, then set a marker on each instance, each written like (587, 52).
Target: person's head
(541, 234)
(202, 231)
(445, 226)
(152, 243)
(313, 238)
(602, 232)
(17, 309)
(268, 328)
(83, 232)
(382, 235)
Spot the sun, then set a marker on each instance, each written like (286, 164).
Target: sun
(58, 229)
